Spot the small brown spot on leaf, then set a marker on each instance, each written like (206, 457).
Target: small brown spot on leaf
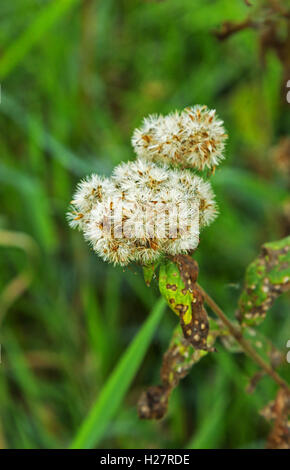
(171, 287)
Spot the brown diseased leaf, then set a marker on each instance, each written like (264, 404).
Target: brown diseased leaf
(195, 331)
(177, 362)
(188, 268)
(279, 411)
(153, 402)
(267, 277)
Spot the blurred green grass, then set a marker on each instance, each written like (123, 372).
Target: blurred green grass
(76, 78)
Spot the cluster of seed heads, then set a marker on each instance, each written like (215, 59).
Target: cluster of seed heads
(194, 138)
(147, 210)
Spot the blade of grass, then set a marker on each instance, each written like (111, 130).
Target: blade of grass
(110, 398)
(211, 427)
(48, 16)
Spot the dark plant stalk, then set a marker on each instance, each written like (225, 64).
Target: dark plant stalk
(245, 344)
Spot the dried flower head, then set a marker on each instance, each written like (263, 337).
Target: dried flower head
(193, 138)
(142, 212)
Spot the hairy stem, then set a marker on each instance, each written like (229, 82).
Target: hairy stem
(245, 344)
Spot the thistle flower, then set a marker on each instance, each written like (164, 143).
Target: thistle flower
(193, 138)
(142, 212)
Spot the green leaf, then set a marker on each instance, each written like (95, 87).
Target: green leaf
(177, 283)
(266, 277)
(148, 272)
(173, 289)
(107, 404)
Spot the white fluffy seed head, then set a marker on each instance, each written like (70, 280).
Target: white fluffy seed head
(145, 211)
(194, 138)
(142, 212)
(91, 190)
(208, 210)
(202, 191)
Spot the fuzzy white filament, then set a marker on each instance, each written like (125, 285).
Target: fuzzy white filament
(142, 212)
(193, 138)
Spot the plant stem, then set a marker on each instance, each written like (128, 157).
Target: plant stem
(245, 344)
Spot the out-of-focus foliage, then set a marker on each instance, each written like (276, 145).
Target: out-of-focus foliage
(76, 80)
(109, 400)
(278, 410)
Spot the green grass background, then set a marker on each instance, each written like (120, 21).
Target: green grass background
(76, 78)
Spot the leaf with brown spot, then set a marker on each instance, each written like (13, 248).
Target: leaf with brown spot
(173, 289)
(177, 283)
(266, 278)
(177, 362)
(148, 272)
